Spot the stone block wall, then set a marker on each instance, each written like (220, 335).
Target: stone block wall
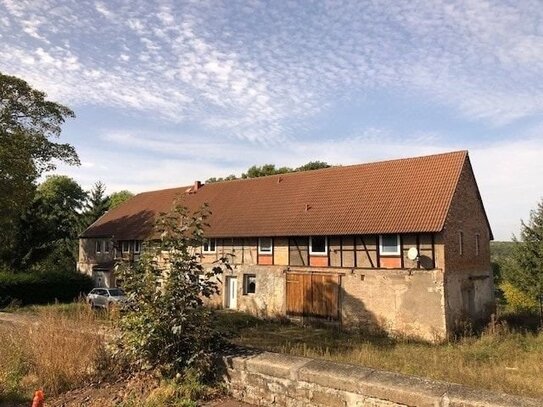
(265, 378)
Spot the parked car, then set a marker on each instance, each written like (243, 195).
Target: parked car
(106, 297)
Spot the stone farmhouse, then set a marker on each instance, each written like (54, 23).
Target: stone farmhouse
(400, 246)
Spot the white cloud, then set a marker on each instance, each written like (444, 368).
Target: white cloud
(251, 69)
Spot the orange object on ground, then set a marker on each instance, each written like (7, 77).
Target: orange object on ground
(39, 398)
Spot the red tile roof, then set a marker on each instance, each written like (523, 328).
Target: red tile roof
(397, 196)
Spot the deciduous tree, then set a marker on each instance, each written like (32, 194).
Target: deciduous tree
(29, 123)
(117, 198)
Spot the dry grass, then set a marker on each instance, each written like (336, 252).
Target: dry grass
(57, 348)
(499, 359)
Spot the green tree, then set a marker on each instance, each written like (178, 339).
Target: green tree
(49, 228)
(97, 204)
(313, 165)
(525, 271)
(28, 125)
(117, 198)
(168, 328)
(264, 170)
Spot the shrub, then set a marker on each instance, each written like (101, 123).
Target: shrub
(165, 326)
(42, 288)
(518, 300)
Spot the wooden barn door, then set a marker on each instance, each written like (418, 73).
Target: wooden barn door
(313, 295)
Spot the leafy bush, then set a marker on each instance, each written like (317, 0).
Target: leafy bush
(518, 300)
(166, 326)
(42, 288)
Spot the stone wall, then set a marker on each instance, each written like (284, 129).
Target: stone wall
(401, 302)
(264, 378)
(268, 300)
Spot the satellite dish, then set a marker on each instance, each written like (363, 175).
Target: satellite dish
(413, 253)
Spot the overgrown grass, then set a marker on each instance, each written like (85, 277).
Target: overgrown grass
(58, 349)
(187, 391)
(500, 358)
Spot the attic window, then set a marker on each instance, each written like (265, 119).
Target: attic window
(389, 245)
(318, 245)
(265, 245)
(209, 246)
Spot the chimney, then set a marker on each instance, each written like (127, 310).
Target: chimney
(197, 185)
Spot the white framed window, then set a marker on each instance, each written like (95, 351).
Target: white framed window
(461, 243)
(249, 284)
(477, 243)
(209, 246)
(389, 245)
(318, 245)
(125, 246)
(107, 246)
(265, 245)
(137, 246)
(98, 246)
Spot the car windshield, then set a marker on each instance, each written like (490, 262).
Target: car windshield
(116, 292)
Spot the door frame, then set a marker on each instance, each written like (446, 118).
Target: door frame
(228, 297)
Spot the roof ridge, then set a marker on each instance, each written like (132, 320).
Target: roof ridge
(339, 166)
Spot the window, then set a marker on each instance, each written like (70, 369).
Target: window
(107, 246)
(137, 246)
(389, 245)
(210, 246)
(461, 243)
(249, 284)
(98, 247)
(477, 243)
(265, 245)
(318, 245)
(125, 246)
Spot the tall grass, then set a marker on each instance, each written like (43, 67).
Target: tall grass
(500, 358)
(55, 350)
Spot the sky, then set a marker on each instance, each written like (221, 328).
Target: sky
(169, 92)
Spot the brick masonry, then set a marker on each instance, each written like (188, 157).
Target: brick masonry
(264, 378)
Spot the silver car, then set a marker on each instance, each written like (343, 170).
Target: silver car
(106, 297)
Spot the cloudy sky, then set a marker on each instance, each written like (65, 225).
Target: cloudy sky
(166, 92)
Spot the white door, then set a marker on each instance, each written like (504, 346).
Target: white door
(232, 293)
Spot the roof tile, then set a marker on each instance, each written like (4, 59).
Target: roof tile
(397, 196)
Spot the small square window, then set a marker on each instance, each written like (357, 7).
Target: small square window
(249, 284)
(126, 246)
(98, 247)
(209, 246)
(389, 245)
(137, 246)
(318, 245)
(265, 245)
